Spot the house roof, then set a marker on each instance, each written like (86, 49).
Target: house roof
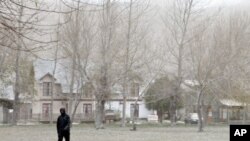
(6, 102)
(7, 92)
(231, 103)
(191, 83)
(43, 67)
(47, 74)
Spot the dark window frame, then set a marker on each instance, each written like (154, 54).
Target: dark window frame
(134, 89)
(47, 88)
(132, 108)
(46, 107)
(87, 109)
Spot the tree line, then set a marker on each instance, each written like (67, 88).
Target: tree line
(109, 44)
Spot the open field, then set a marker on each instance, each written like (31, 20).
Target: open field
(115, 133)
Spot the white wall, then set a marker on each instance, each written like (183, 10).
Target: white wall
(36, 107)
(80, 110)
(144, 112)
(1, 114)
(115, 105)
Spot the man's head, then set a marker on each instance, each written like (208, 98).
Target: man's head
(62, 111)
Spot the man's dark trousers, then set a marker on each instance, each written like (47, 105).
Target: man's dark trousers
(64, 134)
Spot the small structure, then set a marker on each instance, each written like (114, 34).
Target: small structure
(109, 116)
(152, 118)
(5, 114)
(231, 110)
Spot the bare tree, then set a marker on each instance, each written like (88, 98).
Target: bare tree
(215, 61)
(233, 36)
(20, 26)
(135, 38)
(78, 37)
(178, 25)
(125, 85)
(103, 79)
(53, 88)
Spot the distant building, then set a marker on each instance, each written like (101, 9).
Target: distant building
(41, 103)
(228, 110)
(5, 105)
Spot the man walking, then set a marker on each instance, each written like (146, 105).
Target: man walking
(63, 126)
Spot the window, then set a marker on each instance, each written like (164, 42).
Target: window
(134, 90)
(46, 110)
(134, 110)
(47, 86)
(87, 109)
(67, 107)
(88, 90)
(30, 113)
(88, 93)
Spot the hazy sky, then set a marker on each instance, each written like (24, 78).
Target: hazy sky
(213, 2)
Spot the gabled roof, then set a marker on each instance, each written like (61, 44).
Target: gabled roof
(47, 74)
(6, 102)
(191, 83)
(231, 102)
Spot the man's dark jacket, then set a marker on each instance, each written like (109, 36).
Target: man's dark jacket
(63, 124)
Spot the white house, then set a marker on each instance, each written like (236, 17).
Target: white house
(41, 104)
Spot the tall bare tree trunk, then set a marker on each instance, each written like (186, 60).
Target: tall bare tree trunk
(160, 115)
(245, 112)
(103, 89)
(74, 111)
(99, 114)
(179, 34)
(172, 109)
(77, 99)
(200, 110)
(134, 128)
(124, 109)
(125, 85)
(52, 91)
(16, 105)
(73, 67)
(54, 71)
(53, 88)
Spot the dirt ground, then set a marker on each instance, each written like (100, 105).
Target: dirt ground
(115, 133)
